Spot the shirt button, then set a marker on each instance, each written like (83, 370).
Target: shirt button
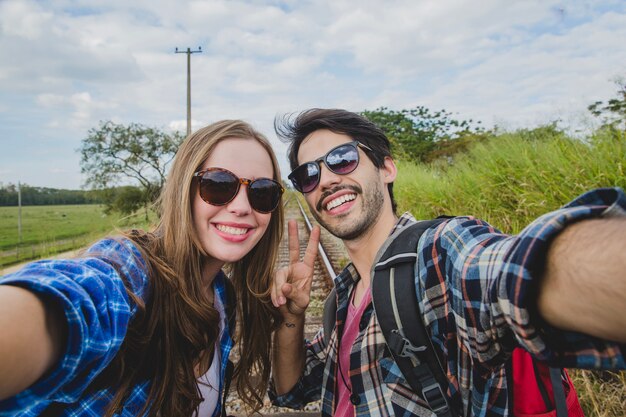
(355, 399)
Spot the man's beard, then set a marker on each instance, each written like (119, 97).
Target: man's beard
(350, 230)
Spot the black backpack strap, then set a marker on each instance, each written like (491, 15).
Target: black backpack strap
(560, 404)
(543, 390)
(399, 316)
(556, 375)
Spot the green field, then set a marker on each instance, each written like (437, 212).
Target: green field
(47, 230)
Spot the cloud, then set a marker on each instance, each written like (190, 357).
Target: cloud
(76, 62)
(80, 106)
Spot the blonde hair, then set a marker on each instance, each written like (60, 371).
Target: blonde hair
(176, 330)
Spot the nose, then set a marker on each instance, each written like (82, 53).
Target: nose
(240, 205)
(328, 178)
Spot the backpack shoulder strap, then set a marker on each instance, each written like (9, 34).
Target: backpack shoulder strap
(399, 316)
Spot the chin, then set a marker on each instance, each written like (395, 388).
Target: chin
(230, 257)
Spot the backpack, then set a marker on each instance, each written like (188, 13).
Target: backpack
(537, 389)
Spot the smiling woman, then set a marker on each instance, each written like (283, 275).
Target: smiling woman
(160, 302)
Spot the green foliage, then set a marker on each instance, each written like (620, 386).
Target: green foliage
(125, 200)
(420, 134)
(115, 153)
(546, 132)
(613, 112)
(512, 178)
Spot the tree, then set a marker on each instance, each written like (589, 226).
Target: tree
(114, 153)
(420, 134)
(613, 112)
(37, 196)
(126, 199)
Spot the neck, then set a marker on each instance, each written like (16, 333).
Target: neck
(210, 269)
(362, 250)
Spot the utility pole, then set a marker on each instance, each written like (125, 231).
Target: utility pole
(189, 52)
(19, 213)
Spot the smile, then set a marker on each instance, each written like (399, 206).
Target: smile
(231, 230)
(339, 201)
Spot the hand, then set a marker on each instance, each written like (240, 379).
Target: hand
(291, 289)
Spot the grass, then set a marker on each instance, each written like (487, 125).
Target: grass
(601, 394)
(47, 230)
(510, 180)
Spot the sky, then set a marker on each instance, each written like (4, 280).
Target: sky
(67, 65)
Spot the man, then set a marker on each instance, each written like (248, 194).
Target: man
(558, 289)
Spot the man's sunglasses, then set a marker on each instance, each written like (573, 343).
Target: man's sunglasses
(341, 160)
(218, 186)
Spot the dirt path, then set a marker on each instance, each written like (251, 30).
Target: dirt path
(61, 255)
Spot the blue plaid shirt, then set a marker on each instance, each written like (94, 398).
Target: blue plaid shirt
(98, 311)
(474, 285)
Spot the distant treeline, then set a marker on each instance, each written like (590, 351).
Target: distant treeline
(42, 196)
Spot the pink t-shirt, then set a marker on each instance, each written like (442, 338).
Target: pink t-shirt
(350, 332)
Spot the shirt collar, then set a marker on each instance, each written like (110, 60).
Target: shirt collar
(349, 276)
(404, 220)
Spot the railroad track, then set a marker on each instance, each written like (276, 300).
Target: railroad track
(326, 264)
(331, 258)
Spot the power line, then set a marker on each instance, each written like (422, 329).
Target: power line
(189, 52)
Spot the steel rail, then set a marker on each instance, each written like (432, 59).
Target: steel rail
(321, 251)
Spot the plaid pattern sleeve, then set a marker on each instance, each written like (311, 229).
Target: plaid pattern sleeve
(98, 310)
(475, 287)
(92, 293)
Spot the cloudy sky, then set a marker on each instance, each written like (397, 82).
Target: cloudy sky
(65, 65)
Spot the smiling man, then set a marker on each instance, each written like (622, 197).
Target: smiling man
(484, 292)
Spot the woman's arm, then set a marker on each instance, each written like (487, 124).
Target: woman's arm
(291, 295)
(33, 337)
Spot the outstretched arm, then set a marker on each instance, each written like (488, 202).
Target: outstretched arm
(584, 284)
(291, 294)
(33, 338)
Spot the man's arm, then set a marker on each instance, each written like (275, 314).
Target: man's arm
(33, 338)
(584, 284)
(492, 282)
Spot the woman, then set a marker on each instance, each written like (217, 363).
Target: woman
(138, 324)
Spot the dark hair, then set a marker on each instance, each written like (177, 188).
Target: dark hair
(294, 128)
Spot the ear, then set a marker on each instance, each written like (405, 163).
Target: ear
(388, 170)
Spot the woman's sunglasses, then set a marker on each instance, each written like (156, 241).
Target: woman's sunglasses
(218, 186)
(341, 160)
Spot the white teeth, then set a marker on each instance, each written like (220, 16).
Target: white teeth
(231, 230)
(339, 201)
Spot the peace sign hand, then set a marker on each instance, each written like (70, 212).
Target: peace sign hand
(291, 288)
